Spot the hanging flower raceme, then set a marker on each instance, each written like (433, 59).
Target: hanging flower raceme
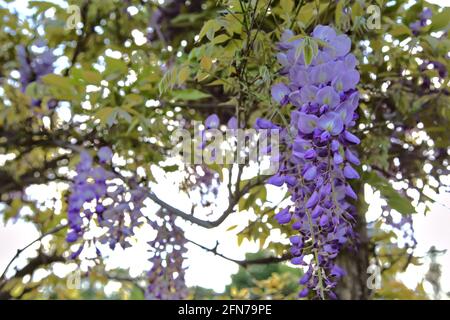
(94, 195)
(204, 181)
(101, 197)
(166, 277)
(318, 161)
(33, 66)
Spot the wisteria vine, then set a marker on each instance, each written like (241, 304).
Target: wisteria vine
(318, 162)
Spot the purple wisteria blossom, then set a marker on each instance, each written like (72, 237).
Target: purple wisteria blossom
(99, 196)
(90, 198)
(33, 66)
(429, 65)
(318, 161)
(166, 277)
(424, 16)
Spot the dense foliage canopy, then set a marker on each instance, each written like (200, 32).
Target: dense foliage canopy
(93, 91)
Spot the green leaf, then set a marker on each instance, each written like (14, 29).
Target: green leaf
(338, 12)
(115, 68)
(61, 87)
(232, 227)
(399, 30)
(220, 38)
(287, 5)
(440, 20)
(206, 63)
(92, 77)
(167, 82)
(308, 52)
(133, 99)
(56, 80)
(189, 94)
(171, 168)
(209, 29)
(183, 75)
(394, 199)
(240, 238)
(106, 115)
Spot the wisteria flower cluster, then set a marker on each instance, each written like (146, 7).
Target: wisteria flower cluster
(95, 195)
(98, 195)
(424, 16)
(166, 277)
(436, 65)
(318, 163)
(205, 181)
(33, 66)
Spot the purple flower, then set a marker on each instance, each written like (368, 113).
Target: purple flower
(310, 154)
(312, 201)
(295, 240)
(426, 14)
(316, 212)
(337, 158)
(90, 186)
(337, 271)
(415, 26)
(323, 220)
(75, 254)
(280, 93)
(264, 124)
(349, 192)
(85, 163)
(335, 145)
(331, 122)
(304, 280)
(322, 74)
(72, 237)
(212, 122)
(232, 123)
(105, 154)
(346, 81)
(307, 122)
(276, 180)
(328, 96)
(351, 157)
(300, 147)
(300, 76)
(340, 46)
(283, 216)
(315, 142)
(297, 260)
(324, 33)
(34, 66)
(308, 93)
(303, 293)
(350, 137)
(311, 173)
(350, 173)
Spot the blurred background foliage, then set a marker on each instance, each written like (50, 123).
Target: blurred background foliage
(130, 72)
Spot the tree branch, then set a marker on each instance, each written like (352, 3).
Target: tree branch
(36, 261)
(243, 263)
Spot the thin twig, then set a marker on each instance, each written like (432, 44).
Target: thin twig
(19, 251)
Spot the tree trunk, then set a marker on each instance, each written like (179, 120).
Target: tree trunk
(353, 286)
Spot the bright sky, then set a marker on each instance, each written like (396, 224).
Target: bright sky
(213, 272)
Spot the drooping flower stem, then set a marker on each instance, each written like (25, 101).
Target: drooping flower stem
(316, 257)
